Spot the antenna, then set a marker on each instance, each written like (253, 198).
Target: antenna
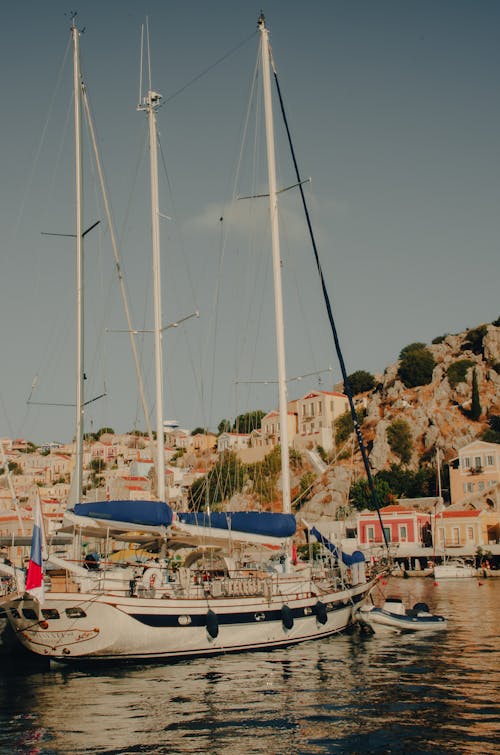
(149, 51)
(140, 64)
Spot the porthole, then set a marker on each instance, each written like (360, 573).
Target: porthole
(259, 616)
(184, 621)
(307, 611)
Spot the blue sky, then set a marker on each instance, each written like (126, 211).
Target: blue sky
(394, 110)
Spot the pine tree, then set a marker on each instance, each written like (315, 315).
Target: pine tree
(475, 409)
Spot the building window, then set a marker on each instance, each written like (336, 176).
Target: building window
(466, 462)
(477, 461)
(470, 534)
(370, 533)
(403, 533)
(387, 531)
(441, 534)
(465, 487)
(490, 460)
(480, 485)
(470, 487)
(455, 536)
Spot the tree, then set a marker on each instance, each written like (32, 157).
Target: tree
(360, 381)
(474, 340)
(475, 409)
(417, 346)
(224, 426)
(400, 439)
(199, 431)
(344, 425)
(361, 497)
(104, 431)
(416, 367)
(457, 371)
(245, 423)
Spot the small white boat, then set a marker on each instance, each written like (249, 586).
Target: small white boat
(393, 616)
(455, 568)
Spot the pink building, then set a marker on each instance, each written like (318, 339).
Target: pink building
(401, 525)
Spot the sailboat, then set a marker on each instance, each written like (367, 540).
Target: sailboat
(219, 600)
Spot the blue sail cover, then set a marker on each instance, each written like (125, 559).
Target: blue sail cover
(347, 559)
(146, 513)
(251, 522)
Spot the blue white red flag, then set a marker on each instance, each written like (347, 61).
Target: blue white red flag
(34, 578)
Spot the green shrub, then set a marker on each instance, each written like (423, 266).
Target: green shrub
(474, 341)
(417, 346)
(416, 367)
(457, 371)
(360, 381)
(400, 440)
(344, 425)
(439, 339)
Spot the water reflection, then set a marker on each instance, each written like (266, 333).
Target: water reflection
(351, 694)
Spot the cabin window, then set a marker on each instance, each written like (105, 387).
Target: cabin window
(30, 613)
(75, 612)
(50, 613)
(15, 613)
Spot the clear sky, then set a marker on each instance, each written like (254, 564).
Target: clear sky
(394, 109)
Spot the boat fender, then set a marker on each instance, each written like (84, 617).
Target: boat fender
(321, 612)
(286, 617)
(212, 624)
(151, 578)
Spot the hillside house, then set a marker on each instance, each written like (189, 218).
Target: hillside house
(402, 525)
(317, 412)
(475, 472)
(470, 528)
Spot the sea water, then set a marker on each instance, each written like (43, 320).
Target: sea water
(352, 693)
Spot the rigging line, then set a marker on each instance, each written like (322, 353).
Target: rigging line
(347, 387)
(207, 70)
(116, 254)
(42, 139)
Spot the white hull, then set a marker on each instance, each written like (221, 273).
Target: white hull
(383, 621)
(454, 571)
(130, 628)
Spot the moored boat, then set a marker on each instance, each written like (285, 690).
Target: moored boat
(218, 601)
(393, 616)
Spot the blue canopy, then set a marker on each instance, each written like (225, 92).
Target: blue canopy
(347, 559)
(146, 513)
(252, 522)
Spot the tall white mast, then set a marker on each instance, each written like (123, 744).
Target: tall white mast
(78, 472)
(150, 104)
(278, 295)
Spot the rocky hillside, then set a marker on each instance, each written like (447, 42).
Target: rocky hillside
(437, 413)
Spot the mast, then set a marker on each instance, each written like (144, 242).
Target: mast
(278, 294)
(78, 473)
(150, 105)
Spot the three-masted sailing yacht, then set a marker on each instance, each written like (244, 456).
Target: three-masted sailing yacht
(208, 606)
